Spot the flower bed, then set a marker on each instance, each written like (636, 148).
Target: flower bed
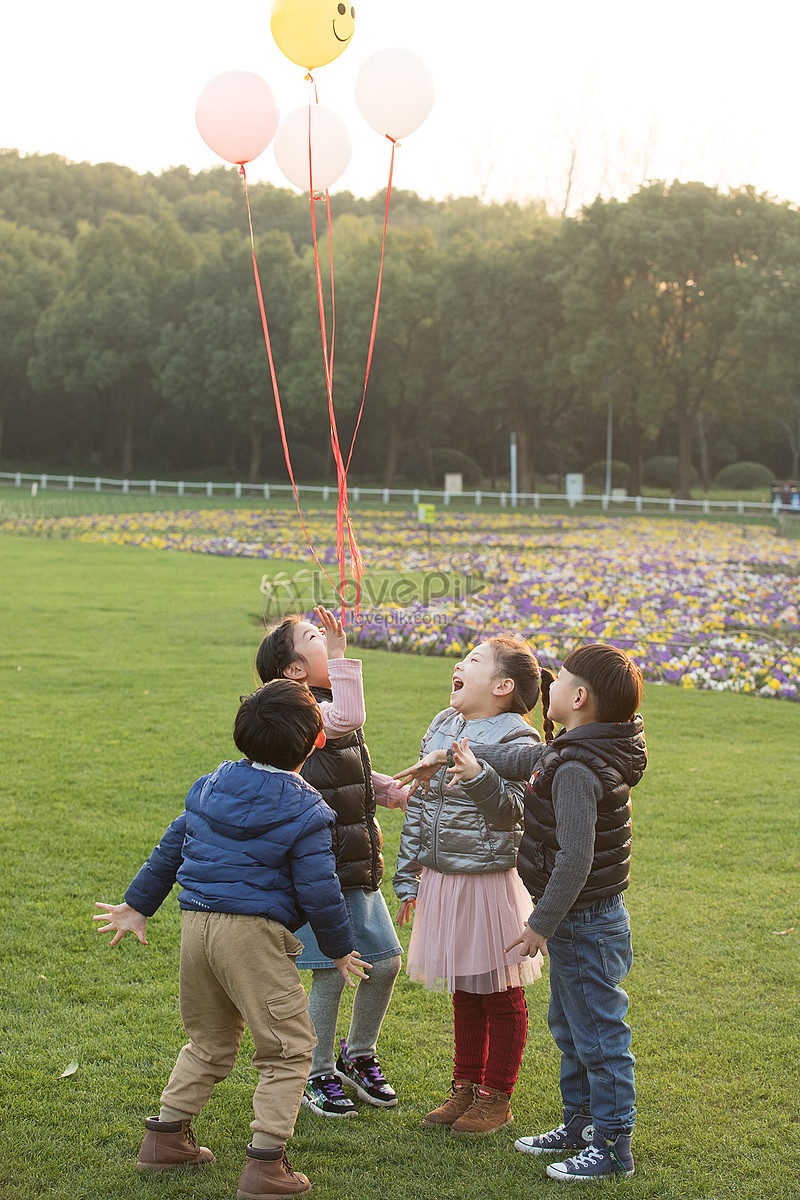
(698, 604)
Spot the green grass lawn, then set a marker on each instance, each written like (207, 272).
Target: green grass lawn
(120, 672)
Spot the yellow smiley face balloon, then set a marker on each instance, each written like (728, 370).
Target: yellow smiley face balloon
(313, 32)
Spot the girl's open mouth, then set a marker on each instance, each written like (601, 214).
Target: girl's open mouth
(457, 684)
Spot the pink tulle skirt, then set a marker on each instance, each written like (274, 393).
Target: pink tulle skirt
(462, 924)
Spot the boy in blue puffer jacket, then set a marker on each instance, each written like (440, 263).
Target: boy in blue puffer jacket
(252, 852)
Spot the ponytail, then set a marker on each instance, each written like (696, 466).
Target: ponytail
(548, 727)
(513, 657)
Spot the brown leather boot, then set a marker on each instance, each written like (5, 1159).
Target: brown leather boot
(490, 1111)
(170, 1144)
(269, 1175)
(461, 1097)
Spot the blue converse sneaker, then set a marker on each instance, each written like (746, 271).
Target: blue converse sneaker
(365, 1075)
(601, 1160)
(324, 1096)
(575, 1134)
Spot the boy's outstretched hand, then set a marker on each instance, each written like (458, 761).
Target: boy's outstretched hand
(352, 962)
(123, 919)
(335, 636)
(422, 772)
(466, 764)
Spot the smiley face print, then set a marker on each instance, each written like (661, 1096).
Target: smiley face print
(312, 32)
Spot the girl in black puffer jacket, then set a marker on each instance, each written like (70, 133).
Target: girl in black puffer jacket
(342, 772)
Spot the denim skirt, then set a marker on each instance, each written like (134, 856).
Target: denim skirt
(373, 930)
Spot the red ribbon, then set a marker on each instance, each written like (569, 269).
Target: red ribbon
(377, 299)
(274, 378)
(342, 508)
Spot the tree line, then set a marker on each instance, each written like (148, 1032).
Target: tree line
(131, 338)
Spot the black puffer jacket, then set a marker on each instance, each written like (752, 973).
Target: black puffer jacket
(617, 754)
(342, 772)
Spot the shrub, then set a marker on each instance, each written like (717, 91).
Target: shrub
(744, 476)
(662, 471)
(595, 473)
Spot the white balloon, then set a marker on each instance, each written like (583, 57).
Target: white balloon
(394, 92)
(330, 147)
(237, 115)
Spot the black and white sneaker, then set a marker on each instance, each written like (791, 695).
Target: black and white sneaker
(575, 1134)
(606, 1157)
(324, 1096)
(365, 1075)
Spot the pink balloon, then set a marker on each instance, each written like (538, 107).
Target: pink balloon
(237, 115)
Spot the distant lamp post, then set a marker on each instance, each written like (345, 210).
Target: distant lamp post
(612, 382)
(609, 443)
(513, 460)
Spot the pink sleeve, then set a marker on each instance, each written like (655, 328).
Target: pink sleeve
(346, 710)
(388, 792)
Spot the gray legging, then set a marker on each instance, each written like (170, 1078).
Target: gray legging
(369, 1008)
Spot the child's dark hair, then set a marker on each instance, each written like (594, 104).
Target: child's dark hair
(278, 724)
(515, 660)
(611, 676)
(277, 651)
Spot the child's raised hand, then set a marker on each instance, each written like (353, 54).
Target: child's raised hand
(405, 912)
(123, 919)
(354, 963)
(332, 628)
(422, 772)
(466, 765)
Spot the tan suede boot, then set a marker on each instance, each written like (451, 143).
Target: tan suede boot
(461, 1097)
(489, 1112)
(269, 1175)
(170, 1144)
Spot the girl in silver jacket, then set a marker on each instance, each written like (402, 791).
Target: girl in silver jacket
(456, 875)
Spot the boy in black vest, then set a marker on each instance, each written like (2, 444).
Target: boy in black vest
(575, 861)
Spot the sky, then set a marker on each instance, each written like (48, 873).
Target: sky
(554, 101)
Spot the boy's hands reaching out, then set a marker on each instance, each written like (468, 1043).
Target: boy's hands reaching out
(423, 771)
(123, 919)
(466, 766)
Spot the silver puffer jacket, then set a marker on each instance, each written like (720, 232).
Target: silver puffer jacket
(457, 833)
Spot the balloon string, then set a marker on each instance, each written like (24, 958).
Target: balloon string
(377, 300)
(313, 83)
(355, 553)
(274, 377)
(333, 294)
(342, 507)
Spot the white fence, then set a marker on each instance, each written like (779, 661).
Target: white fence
(414, 496)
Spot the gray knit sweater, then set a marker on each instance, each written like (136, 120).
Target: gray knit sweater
(576, 792)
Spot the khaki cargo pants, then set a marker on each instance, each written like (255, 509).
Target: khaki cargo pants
(235, 971)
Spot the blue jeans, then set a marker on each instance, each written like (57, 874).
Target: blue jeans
(590, 954)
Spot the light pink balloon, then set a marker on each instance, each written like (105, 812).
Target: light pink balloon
(237, 115)
(331, 148)
(394, 92)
